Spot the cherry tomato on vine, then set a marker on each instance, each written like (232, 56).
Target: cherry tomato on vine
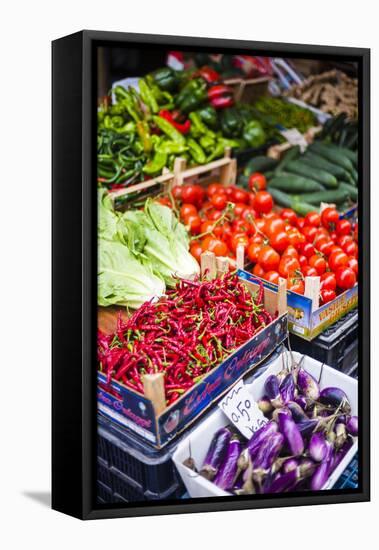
(237, 239)
(288, 266)
(325, 246)
(263, 202)
(300, 223)
(253, 250)
(190, 194)
(239, 195)
(291, 251)
(309, 232)
(187, 210)
(257, 182)
(289, 216)
(212, 244)
(313, 219)
(274, 225)
(329, 216)
(193, 221)
(279, 241)
(219, 200)
(196, 250)
(214, 188)
(177, 192)
(268, 258)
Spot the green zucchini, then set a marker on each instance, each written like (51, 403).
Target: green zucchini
(290, 154)
(332, 155)
(351, 189)
(336, 196)
(292, 183)
(283, 199)
(322, 164)
(304, 169)
(259, 164)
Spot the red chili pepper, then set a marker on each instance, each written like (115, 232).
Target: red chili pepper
(183, 128)
(222, 102)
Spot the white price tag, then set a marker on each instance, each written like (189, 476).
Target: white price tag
(242, 410)
(294, 137)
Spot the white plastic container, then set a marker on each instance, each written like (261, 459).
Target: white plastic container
(198, 441)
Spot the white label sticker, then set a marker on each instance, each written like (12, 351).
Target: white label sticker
(294, 137)
(242, 410)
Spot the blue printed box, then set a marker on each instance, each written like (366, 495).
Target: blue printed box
(132, 410)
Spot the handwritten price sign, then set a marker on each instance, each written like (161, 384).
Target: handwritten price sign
(242, 410)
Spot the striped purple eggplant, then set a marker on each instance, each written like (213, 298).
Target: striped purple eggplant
(318, 447)
(268, 451)
(287, 388)
(226, 474)
(290, 464)
(307, 385)
(265, 405)
(259, 436)
(352, 426)
(283, 482)
(272, 391)
(291, 433)
(321, 475)
(306, 427)
(306, 467)
(301, 401)
(281, 410)
(216, 453)
(334, 398)
(297, 412)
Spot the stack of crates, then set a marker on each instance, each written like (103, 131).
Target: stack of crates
(128, 470)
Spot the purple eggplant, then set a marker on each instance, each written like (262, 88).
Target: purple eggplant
(334, 398)
(318, 447)
(289, 465)
(259, 436)
(265, 405)
(321, 475)
(226, 474)
(306, 467)
(292, 435)
(268, 452)
(301, 401)
(287, 388)
(282, 410)
(297, 412)
(283, 482)
(352, 425)
(341, 435)
(308, 385)
(306, 427)
(272, 391)
(216, 453)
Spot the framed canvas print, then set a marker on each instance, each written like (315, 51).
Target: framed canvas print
(210, 275)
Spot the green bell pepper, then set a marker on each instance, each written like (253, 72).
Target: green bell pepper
(192, 95)
(231, 123)
(208, 115)
(166, 79)
(254, 134)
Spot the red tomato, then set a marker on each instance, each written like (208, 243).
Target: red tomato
(270, 216)
(318, 263)
(353, 264)
(177, 192)
(329, 216)
(289, 216)
(194, 223)
(206, 226)
(288, 266)
(268, 258)
(190, 194)
(214, 188)
(291, 251)
(219, 200)
(344, 239)
(215, 215)
(187, 210)
(263, 202)
(239, 238)
(257, 238)
(229, 191)
(272, 276)
(257, 182)
(165, 201)
(327, 295)
(333, 236)
(279, 241)
(296, 285)
(241, 226)
(260, 223)
(225, 230)
(300, 222)
(337, 259)
(328, 281)
(258, 270)
(313, 219)
(214, 245)
(295, 237)
(308, 250)
(302, 261)
(345, 277)
(274, 225)
(309, 232)
(325, 246)
(196, 250)
(240, 195)
(343, 227)
(351, 249)
(248, 214)
(253, 251)
(309, 271)
(239, 208)
(355, 234)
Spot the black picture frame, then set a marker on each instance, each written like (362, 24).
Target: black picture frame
(74, 275)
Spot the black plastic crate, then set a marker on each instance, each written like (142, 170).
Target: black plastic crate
(137, 471)
(336, 347)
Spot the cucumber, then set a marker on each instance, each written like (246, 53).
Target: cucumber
(259, 164)
(332, 155)
(283, 199)
(351, 189)
(352, 155)
(336, 196)
(290, 154)
(322, 164)
(292, 183)
(304, 169)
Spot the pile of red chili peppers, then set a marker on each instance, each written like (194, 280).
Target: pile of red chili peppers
(185, 334)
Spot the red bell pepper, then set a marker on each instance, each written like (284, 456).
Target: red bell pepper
(208, 74)
(220, 96)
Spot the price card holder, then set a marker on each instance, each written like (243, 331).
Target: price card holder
(240, 407)
(294, 137)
